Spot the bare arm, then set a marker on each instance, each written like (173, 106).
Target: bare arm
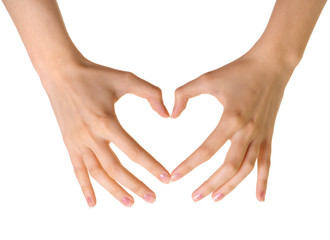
(41, 27)
(289, 28)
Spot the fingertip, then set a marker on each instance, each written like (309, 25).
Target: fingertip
(165, 178)
(159, 107)
(174, 113)
(217, 196)
(196, 196)
(175, 176)
(90, 202)
(149, 197)
(178, 109)
(127, 201)
(261, 196)
(164, 112)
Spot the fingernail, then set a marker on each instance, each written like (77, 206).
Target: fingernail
(218, 197)
(167, 114)
(175, 177)
(89, 202)
(197, 197)
(165, 178)
(173, 112)
(127, 202)
(149, 198)
(262, 196)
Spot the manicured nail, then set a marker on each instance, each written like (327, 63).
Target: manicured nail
(166, 113)
(89, 202)
(197, 197)
(127, 202)
(173, 112)
(218, 197)
(165, 178)
(149, 198)
(175, 177)
(262, 196)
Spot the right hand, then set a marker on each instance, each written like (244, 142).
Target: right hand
(83, 98)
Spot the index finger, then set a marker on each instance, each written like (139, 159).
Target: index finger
(209, 147)
(136, 153)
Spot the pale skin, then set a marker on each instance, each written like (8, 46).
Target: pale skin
(83, 95)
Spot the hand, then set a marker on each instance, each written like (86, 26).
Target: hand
(83, 98)
(250, 90)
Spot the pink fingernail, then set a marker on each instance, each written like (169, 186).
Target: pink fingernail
(127, 202)
(175, 177)
(197, 197)
(173, 112)
(89, 202)
(218, 197)
(149, 198)
(165, 178)
(262, 196)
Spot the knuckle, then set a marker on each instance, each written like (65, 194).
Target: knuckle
(206, 80)
(231, 168)
(138, 188)
(239, 140)
(210, 187)
(205, 151)
(250, 165)
(230, 187)
(251, 125)
(107, 125)
(265, 163)
(156, 91)
(236, 119)
(128, 75)
(94, 171)
(78, 171)
(263, 182)
(114, 170)
(179, 91)
(187, 166)
(136, 153)
(206, 77)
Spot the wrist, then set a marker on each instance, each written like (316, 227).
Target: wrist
(279, 55)
(271, 61)
(54, 66)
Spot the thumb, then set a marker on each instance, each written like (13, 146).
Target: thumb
(153, 94)
(183, 93)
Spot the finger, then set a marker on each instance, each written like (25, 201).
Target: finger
(136, 153)
(245, 169)
(209, 147)
(263, 170)
(83, 178)
(153, 94)
(98, 173)
(183, 93)
(115, 170)
(229, 168)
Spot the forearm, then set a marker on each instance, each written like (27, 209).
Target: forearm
(41, 27)
(289, 29)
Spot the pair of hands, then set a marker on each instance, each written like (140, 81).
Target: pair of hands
(83, 96)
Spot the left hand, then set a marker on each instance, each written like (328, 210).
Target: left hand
(250, 90)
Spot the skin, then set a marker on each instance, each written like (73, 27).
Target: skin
(83, 94)
(250, 89)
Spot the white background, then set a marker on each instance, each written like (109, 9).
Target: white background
(167, 43)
